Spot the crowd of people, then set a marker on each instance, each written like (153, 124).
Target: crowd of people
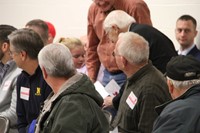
(47, 85)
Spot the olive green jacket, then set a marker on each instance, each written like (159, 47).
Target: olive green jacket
(75, 110)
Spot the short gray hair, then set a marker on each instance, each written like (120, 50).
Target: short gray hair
(26, 40)
(184, 84)
(57, 60)
(133, 47)
(119, 18)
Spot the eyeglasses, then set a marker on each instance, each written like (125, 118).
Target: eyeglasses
(113, 53)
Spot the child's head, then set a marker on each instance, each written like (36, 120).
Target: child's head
(77, 50)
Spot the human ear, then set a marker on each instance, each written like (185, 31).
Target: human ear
(5, 47)
(124, 61)
(171, 88)
(23, 55)
(44, 72)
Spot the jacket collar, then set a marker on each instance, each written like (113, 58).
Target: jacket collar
(74, 79)
(140, 73)
(191, 91)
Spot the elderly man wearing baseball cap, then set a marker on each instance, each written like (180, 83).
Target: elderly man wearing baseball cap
(182, 114)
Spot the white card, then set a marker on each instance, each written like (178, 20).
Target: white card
(131, 100)
(114, 131)
(24, 93)
(112, 88)
(6, 85)
(99, 87)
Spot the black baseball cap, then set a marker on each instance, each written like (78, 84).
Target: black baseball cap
(183, 68)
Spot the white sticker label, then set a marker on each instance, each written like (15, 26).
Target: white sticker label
(131, 100)
(24, 93)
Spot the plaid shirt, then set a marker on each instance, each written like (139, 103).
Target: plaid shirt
(150, 88)
(3, 69)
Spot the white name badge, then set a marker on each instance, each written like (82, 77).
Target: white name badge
(6, 85)
(24, 93)
(114, 131)
(131, 100)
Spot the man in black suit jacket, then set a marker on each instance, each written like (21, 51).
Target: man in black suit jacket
(185, 34)
(161, 47)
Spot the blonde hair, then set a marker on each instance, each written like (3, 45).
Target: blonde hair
(70, 42)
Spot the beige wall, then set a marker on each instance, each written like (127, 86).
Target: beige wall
(164, 14)
(70, 16)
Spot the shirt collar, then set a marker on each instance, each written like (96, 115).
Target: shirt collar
(185, 51)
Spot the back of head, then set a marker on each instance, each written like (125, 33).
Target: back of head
(40, 27)
(187, 18)
(5, 30)
(119, 18)
(133, 47)
(70, 42)
(26, 40)
(57, 60)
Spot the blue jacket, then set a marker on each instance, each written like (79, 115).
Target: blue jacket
(181, 115)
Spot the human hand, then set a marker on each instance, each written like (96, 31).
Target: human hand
(107, 101)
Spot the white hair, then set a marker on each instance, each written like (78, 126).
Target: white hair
(57, 60)
(184, 84)
(133, 47)
(119, 18)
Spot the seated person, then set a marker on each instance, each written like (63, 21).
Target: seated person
(181, 115)
(145, 87)
(32, 89)
(74, 105)
(8, 77)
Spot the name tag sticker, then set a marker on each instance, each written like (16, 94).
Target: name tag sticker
(6, 85)
(131, 100)
(24, 93)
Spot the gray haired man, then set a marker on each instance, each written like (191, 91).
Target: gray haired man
(181, 115)
(74, 105)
